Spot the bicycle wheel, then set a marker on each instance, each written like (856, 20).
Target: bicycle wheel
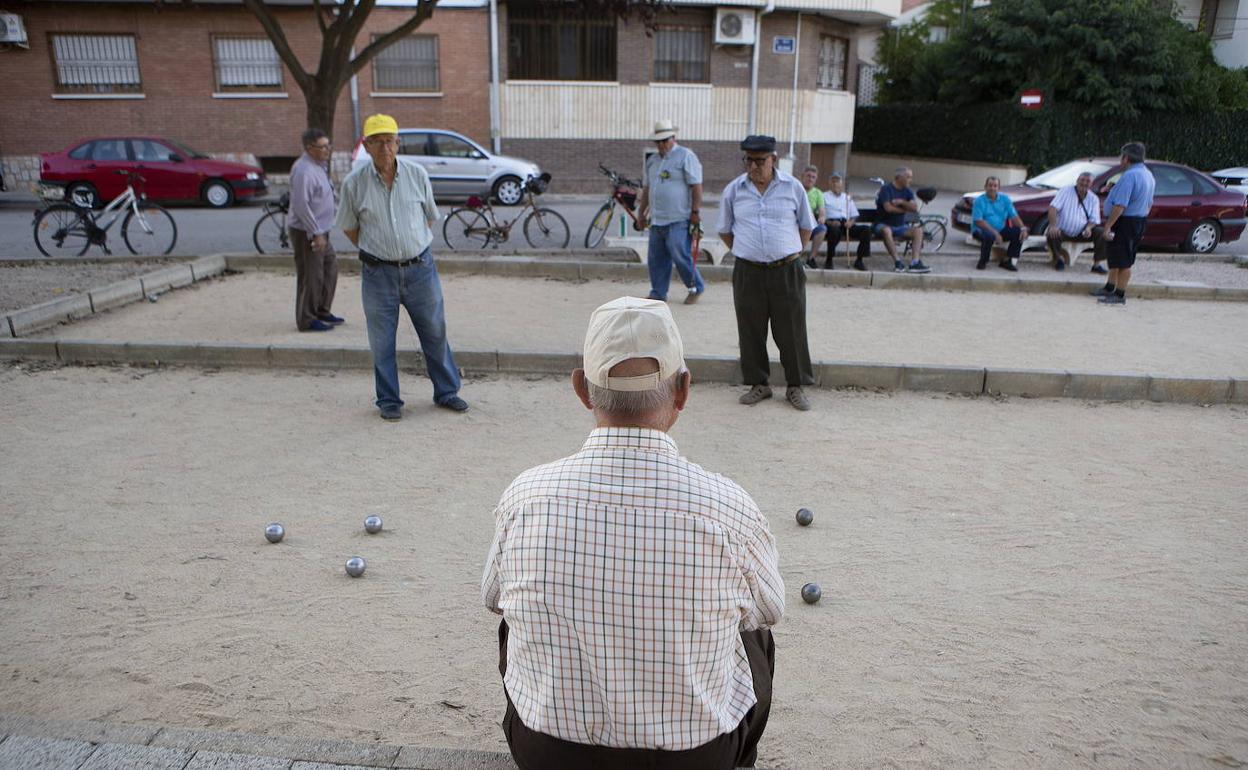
(934, 233)
(61, 231)
(598, 227)
(270, 235)
(466, 229)
(151, 232)
(546, 229)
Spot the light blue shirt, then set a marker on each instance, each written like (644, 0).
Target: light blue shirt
(393, 221)
(668, 179)
(765, 227)
(996, 213)
(1134, 192)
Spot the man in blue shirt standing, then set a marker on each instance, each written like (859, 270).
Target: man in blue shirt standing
(671, 197)
(892, 203)
(1128, 202)
(997, 223)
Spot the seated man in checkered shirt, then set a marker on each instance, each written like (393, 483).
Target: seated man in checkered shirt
(636, 588)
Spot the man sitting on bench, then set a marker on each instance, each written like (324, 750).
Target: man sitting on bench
(1075, 215)
(892, 203)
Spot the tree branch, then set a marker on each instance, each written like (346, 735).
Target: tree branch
(421, 15)
(278, 37)
(320, 18)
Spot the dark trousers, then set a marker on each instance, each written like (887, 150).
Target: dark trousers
(775, 295)
(1128, 232)
(837, 231)
(1011, 235)
(1097, 239)
(316, 278)
(537, 751)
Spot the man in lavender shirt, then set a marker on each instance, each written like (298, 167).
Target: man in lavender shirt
(312, 209)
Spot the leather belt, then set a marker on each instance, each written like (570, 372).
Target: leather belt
(778, 263)
(371, 260)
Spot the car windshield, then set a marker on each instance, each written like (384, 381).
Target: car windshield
(187, 151)
(1066, 174)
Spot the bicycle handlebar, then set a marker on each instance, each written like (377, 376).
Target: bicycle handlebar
(131, 175)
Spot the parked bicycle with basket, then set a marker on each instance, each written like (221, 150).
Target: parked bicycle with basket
(70, 228)
(624, 192)
(477, 225)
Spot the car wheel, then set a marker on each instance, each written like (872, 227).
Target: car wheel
(1203, 237)
(218, 194)
(509, 190)
(83, 194)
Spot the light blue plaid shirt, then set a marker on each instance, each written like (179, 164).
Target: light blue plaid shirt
(393, 222)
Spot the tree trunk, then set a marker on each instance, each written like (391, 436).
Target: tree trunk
(322, 101)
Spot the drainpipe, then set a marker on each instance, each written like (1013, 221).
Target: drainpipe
(797, 55)
(495, 130)
(758, 39)
(355, 104)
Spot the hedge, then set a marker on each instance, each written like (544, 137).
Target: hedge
(1003, 133)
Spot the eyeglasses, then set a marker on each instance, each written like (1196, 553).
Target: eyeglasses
(390, 142)
(756, 161)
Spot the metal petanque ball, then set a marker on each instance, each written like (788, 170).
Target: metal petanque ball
(811, 593)
(805, 517)
(355, 566)
(372, 525)
(274, 532)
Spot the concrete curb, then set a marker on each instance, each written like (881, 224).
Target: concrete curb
(973, 380)
(24, 321)
(529, 266)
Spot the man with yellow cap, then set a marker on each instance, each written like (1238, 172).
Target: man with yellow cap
(388, 211)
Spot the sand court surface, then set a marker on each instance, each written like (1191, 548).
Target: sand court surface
(1027, 331)
(1006, 582)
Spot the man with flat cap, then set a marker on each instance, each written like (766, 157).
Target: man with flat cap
(636, 588)
(671, 199)
(765, 219)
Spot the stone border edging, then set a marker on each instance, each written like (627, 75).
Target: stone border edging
(973, 380)
(63, 309)
(572, 270)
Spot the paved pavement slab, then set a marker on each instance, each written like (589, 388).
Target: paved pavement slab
(26, 753)
(123, 756)
(219, 760)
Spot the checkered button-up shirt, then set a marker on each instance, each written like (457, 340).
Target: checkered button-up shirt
(626, 574)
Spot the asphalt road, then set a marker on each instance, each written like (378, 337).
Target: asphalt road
(211, 231)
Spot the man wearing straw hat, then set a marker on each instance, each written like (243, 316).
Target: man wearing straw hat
(671, 198)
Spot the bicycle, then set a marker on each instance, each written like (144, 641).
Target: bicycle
(935, 226)
(69, 229)
(624, 192)
(271, 229)
(476, 226)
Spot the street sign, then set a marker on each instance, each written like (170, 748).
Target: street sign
(783, 44)
(1031, 99)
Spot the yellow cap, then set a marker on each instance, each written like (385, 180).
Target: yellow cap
(380, 124)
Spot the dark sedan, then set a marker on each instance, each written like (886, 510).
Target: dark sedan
(87, 171)
(1190, 211)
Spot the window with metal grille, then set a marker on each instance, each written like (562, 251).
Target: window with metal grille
(682, 54)
(833, 62)
(542, 46)
(246, 64)
(96, 64)
(410, 64)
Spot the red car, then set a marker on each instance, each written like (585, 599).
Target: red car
(1190, 209)
(173, 171)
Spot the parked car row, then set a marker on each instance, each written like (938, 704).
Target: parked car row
(1191, 210)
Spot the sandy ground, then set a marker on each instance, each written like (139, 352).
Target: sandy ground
(996, 592)
(1030, 331)
(24, 285)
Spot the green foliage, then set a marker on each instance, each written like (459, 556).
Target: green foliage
(1002, 133)
(1116, 58)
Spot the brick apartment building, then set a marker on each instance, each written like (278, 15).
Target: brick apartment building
(571, 92)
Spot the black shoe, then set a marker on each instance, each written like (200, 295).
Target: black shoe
(1112, 299)
(455, 404)
(1059, 265)
(1101, 291)
(982, 264)
(1099, 269)
(827, 265)
(859, 265)
(811, 263)
(391, 413)
(317, 326)
(330, 318)
(1009, 266)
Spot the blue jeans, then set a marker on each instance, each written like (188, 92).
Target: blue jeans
(416, 287)
(668, 244)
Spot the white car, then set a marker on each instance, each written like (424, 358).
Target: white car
(459, 167)
(1233, 178)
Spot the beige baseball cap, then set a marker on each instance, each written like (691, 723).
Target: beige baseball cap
(630, 327)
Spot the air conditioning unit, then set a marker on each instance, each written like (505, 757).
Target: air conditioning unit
(734, 26)
(11, 29)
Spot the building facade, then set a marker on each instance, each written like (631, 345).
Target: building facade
(570, 93)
